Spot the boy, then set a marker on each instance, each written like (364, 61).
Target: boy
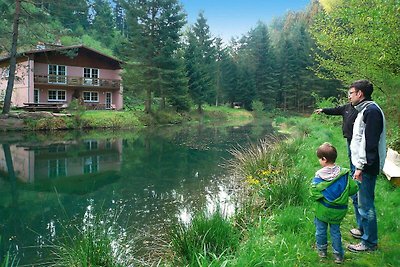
(330, 189)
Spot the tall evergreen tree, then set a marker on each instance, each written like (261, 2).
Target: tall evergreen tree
(153, 40)
(103, 20)
(247, 85)
(200, 58)
(72, 14)
(13, 58)
(228, 77)
(119, 15)
(264, 65)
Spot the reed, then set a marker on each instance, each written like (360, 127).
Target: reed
(206, 241)
(9, 259)
(266, 172)
(98, 241)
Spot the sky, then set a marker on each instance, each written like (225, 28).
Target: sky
(233, 18)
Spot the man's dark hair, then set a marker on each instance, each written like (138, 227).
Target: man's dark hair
(328, 151)
(364, 86)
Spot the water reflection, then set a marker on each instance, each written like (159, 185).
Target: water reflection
(157, 176)
(59, 164)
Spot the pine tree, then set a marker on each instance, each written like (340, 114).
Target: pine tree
(228, 77)
(103, 20)
(200, 58)
(153, 41)
(264, 65)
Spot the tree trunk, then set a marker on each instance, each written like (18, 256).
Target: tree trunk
(13, 59)
(147, 108)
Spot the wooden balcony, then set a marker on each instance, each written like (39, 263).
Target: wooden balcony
(77, 81)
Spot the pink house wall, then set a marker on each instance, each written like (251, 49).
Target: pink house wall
(23, 162)
(23, 83)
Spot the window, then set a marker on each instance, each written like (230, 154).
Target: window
(57, 74)
(36, 95)
(91, 76)
(57, 95)
(5, 73)
(91, 96)
(57, 168)
(91, 144)
(2, 94)
(91, 164)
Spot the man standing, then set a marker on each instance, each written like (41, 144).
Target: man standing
(368, 153)
(349, 115)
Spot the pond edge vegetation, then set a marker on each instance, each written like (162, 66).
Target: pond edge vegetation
(273, 224)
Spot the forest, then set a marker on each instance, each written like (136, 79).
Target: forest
(286, 65)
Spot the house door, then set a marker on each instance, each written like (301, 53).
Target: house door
(36, 96)
(108, 100)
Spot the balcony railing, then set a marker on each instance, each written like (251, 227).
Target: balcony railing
(77, 81)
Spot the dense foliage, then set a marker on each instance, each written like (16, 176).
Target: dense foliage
(164, 62)
(283, 65)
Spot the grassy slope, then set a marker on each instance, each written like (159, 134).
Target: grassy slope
(128, 119)
(286, 237)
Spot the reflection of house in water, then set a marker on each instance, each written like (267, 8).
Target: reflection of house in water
(78, 161)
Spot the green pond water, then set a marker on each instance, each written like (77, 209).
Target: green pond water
(152, 179)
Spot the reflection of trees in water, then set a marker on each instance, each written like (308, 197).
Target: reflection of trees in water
(164, 173)
(9, 215)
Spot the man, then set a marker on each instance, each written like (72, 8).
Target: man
(349, 114)
(368, 153)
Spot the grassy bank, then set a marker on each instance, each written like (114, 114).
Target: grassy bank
(93, 119)
(276, 220)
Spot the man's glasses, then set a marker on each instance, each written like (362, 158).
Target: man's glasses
(351, 92)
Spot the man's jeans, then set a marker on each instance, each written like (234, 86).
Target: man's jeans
(366, 208)
(355, 196)
(322, 238)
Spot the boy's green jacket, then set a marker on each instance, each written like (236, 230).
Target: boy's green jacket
(331, 210)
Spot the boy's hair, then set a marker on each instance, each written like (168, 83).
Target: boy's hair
(328, 151)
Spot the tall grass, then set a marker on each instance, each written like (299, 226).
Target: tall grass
(265, 168)
(98, 241)
(206, 241)
(9, 259)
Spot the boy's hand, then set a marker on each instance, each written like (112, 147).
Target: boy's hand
(318, 111)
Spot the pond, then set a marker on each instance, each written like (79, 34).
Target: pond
(152, 178)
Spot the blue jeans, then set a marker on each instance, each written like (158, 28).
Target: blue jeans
(355, 196)
(366, 208)
(322, 238)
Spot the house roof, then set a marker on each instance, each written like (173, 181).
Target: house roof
(63, 48)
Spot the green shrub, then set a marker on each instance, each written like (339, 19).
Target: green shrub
(100, 241)
(205, 239)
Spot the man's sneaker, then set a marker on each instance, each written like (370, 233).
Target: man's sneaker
(338, 258)
(360, 247)
(322, 254)
(356, 233)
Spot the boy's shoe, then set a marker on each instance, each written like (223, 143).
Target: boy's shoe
(361, 247)
(322, 254)
(356, 233)
(338, 258)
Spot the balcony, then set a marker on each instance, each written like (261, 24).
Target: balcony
(77, 81)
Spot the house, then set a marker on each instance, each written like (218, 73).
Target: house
(59, 74)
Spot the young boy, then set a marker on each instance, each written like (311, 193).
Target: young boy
(330, 188)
